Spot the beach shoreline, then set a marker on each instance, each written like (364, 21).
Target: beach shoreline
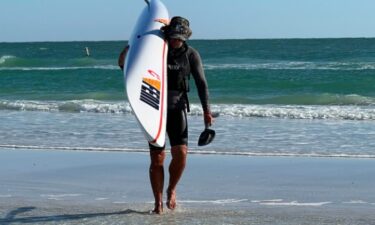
(78, 187)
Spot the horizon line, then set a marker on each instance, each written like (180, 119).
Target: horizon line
(198, 39)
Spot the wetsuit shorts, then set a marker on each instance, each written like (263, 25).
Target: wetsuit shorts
(177, 128)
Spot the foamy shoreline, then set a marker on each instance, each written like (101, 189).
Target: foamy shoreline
(194, 152)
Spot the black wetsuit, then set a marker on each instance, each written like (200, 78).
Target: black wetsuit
(181, 63)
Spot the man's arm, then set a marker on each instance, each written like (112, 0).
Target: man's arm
(201, 83)
(122, 56)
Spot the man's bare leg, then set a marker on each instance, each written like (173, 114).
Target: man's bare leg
(157, 178)
(176, 168)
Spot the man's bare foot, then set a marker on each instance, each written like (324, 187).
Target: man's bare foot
(158, 208)
(171, 199)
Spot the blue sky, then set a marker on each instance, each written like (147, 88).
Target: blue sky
(74, 20)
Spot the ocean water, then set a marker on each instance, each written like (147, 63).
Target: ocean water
(289, 97)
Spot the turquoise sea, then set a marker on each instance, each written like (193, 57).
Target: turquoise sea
(291, 97)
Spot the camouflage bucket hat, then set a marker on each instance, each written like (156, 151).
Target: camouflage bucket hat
(178, 28)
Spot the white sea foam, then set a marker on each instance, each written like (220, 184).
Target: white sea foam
(293, 65)
(4, 58)
(275, 202)
(100, 199)
(219, 201)
(198, 152)
(294, 203)
(73, 148)
(294, 111)
(287, 65)
(98, 67)
(59, 197)
(356, 202)
(232, 110)
(29, 105)
(67, 106)
(5, 196)
(119, 202)
(271, 200)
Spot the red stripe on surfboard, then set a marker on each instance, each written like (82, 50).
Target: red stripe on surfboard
(162, 95)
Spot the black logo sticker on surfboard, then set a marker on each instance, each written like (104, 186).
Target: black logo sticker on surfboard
(150, 92)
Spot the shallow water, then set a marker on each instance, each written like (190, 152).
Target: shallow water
(246, 136)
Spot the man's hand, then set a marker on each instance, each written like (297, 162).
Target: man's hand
(208, 119)
(163, 21)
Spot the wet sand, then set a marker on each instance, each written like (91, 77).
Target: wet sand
(77, 187)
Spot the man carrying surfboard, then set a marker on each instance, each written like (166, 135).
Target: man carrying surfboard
(182, 60)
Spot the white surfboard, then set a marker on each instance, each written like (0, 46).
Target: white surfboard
(145, 73)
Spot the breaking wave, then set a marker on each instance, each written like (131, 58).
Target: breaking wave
(335, 112)
(293, 65)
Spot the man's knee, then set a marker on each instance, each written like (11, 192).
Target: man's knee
(157, 158)
(179, 151)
